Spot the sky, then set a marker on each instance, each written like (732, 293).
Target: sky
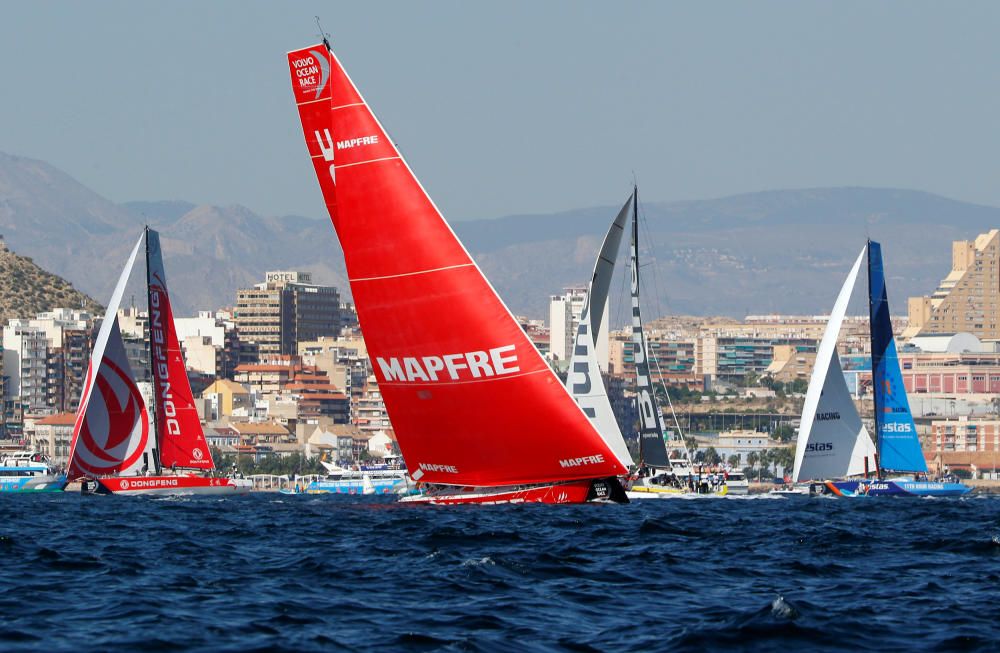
(516, 106)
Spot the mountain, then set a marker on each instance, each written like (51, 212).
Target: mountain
(29, 290)
(771, 252)
(777, 251)
(209, 251)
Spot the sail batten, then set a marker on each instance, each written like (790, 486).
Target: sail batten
(434, 338)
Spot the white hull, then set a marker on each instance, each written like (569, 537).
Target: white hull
(790, 492)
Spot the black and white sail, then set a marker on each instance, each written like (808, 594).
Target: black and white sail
(652, 448)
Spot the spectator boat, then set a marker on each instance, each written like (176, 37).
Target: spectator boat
(29, 471)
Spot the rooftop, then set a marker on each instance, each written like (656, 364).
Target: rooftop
(59, 419)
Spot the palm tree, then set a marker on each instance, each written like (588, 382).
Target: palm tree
(784, 457)
(765, 462)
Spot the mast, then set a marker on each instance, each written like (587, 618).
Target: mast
(635, 308)
(152, 367)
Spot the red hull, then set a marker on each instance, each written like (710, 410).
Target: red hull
(170, 485)
(590, 490)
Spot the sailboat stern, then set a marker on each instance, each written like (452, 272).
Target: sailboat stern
(607, 490)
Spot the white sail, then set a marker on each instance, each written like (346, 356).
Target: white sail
(111, 432)
(832, 442)
(584, 380)
(586, 384)
(111, 316)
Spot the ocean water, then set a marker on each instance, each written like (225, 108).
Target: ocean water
(303, 573)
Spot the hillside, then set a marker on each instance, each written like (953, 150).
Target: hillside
(776, 251)
(28, 289)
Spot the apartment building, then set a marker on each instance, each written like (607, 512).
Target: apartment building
(967, 299)
(285, 309)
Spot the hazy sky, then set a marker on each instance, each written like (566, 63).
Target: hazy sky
(512, 107)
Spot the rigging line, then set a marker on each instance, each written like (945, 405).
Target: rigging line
(673, 413)
(647, 232)
(323, 35)
(656, 360)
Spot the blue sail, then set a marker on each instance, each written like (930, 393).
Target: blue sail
(898, 443)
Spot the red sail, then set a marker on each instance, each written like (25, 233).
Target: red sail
(182, 440)
(471, 400)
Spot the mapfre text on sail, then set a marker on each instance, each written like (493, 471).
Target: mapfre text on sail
(450, 367)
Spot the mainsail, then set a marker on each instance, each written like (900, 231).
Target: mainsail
(111, 431)
(471, 400)
(898, 443)
(584, 379)
(652, 448)
(178, 427)
(832, 442)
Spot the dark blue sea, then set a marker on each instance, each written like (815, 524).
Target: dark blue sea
(305, 573)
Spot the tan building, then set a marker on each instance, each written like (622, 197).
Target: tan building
(285, 309)
(790, 363)
(966, 300)
(269, 375)
(264, 316)
(261, 432)
(227, 396)
(52, 436)
(964, 434)
(963, 444)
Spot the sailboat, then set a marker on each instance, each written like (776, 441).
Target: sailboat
(113, 450)
(584, 380)
(833, 443)
(479, 415)
(658, 475)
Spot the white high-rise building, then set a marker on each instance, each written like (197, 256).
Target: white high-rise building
(564, 318)
(25, 351)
